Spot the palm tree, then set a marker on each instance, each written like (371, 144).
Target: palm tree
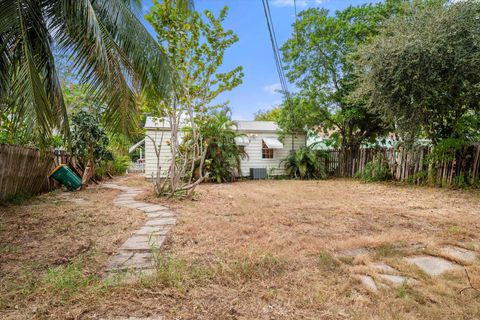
(306, 163)
(110, 50)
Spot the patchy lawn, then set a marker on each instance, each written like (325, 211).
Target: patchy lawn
(249, 250)
(53, 252)
(282, 250)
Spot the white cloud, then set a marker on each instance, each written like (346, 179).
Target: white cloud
(273, 88)
(300, 3)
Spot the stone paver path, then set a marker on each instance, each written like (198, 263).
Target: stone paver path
(433, 266)
(136, 253)
(384, 275)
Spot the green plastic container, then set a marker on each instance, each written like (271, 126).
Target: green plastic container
(66, 176)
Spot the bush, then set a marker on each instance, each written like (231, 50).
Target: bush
(306, 163)
(376, 170)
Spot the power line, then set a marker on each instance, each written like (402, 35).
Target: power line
(276, 51)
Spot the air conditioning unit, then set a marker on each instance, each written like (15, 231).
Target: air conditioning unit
(258, 173)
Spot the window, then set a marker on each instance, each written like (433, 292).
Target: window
(266, 152)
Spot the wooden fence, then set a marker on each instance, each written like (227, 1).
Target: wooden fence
(25, 170)
(410, 164)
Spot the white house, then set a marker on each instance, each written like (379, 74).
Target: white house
(259, 139)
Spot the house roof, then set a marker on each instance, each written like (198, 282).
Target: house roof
(242, 125)
(160, 123)
(268, 126)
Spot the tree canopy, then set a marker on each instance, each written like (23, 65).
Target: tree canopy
(422, 73)
(109, 47)
(319, 59)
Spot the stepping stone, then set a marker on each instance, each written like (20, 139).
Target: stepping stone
(125, 196)
(152, 208)
(433, 266)
(161, 222)
(354, 252)
(124, 203)
(155, 230)
(131, 260)
(382, 267)
(459, 254)
(143, 243)
(368, 282)
(135, 205)
(160, 215)
(396, 281)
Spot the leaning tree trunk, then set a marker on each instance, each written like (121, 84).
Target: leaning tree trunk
(89, 167)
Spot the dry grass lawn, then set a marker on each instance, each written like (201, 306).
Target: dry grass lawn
(270, 250)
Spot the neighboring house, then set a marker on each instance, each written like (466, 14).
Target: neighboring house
(259, 139)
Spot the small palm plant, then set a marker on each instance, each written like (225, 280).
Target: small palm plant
(306, 163)
(222, 159)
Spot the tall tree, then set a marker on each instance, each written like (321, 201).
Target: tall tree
(196, 44)
(110, 48)
(319, 60)
(423, 72)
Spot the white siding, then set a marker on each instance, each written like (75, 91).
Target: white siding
(254, 151)
(160, 137)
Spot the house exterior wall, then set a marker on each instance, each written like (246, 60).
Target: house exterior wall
(254, 151)
(162, 139)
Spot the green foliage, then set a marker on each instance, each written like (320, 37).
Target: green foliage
(327, 261)
(89, 140)
(306, 163)
(67, 280)
(108, 46)
(223, 156)
(318, 60)
(18, 198)
(196, 45)
(431, 60)
(268, 115)
(376, 170)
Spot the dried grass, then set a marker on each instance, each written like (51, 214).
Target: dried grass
(270, 250)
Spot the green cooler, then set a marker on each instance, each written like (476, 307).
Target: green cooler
(66, 176)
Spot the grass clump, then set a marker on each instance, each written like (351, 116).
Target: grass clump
(327, 261)
(250, 267)
(388, 250)
(376, 170)
(67, 280)
(178, 273)
(456, 230)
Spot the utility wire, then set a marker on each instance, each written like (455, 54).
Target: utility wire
(276, 51)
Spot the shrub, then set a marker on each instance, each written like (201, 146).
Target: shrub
(376, 170)
(306, 163)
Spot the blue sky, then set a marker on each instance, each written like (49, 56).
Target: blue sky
(254, 51)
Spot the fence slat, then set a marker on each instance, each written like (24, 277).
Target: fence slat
(408, 164)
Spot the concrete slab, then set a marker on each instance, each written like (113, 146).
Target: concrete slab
(155, 230)
(161, 222)
(397, 281)
(135, 205)
(132, 260)
(433, 266)
(368, 282)
(143, 243)
(459, 254)
(154, 208)
(383, 267)
(160, 214)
